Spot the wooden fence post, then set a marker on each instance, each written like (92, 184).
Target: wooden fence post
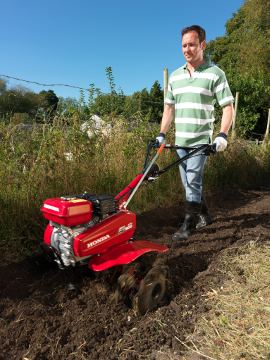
(165, 74)
(235, 114)
(265, 140)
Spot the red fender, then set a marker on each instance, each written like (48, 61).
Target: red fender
(123, 254)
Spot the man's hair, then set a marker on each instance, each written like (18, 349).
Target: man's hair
(199, 30)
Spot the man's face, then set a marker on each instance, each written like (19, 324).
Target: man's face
(192, 49)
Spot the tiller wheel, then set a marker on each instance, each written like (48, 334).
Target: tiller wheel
(152, 289)
(145, 289)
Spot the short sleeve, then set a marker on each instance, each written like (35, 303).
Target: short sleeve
(222, 91)
(170, 100)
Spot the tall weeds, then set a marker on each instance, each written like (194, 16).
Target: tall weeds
(242, 164)
(42, 162)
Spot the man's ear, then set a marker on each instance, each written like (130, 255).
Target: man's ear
(203, 45)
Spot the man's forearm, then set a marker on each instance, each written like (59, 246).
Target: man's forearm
(167, 118)
(227, 117)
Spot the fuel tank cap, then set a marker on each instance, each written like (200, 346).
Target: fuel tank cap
(68, 198)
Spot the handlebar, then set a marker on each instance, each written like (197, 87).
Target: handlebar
(209, 148)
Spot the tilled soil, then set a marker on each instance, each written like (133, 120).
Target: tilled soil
(41, 319)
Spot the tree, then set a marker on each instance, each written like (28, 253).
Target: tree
(139, 101)
(157, 97)
(255, 48)
(149, 104)
(65, 104)
(244, 54)
(246, 41)
(3, 85)
(50, 101)
(253, 103)
(19, 99)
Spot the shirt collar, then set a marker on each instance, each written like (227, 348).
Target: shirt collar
(203, 66)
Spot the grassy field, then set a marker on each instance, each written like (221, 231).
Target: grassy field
(43, 162)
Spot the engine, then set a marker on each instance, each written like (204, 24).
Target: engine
(62, 237)
(70, 217)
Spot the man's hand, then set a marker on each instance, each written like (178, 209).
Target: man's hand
(160, 138)
(221, 142)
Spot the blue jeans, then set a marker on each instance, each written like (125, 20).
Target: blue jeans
(191, 171)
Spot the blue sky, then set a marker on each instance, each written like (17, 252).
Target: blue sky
(72, 42)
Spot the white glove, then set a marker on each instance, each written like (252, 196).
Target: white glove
(221, 142)
(160, 138)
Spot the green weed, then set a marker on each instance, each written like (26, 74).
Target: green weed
(47, 161)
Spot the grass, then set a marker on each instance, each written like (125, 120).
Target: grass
(34, 166)
(238, 324)
(240, 165)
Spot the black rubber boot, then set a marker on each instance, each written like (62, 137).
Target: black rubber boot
(205, 217)
(192, 213)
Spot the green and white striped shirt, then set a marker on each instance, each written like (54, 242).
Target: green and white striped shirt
(194, 98)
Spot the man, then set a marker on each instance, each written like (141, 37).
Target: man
(192, 92)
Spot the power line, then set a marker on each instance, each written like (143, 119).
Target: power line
(34, 82)
(78, 87)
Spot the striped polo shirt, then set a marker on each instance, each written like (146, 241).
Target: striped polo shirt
(194, 98)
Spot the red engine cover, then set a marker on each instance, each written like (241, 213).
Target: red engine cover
(114, 230)
(69, 212)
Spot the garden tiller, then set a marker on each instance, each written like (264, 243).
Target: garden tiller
(97, 230)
